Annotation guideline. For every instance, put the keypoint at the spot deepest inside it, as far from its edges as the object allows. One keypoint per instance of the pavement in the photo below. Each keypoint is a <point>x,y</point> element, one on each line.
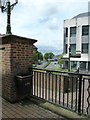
<point>26,109</point>
<point>51,66</point>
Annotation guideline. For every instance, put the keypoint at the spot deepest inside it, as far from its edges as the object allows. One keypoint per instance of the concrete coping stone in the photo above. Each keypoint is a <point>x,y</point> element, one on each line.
<point>57,109</point>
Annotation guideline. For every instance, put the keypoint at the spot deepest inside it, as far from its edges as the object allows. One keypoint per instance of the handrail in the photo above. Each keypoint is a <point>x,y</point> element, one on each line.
<point>70,73</point>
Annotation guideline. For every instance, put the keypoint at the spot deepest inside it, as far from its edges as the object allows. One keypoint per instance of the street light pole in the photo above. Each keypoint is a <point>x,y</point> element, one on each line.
<point>6,6</point>
<point>8,28</point>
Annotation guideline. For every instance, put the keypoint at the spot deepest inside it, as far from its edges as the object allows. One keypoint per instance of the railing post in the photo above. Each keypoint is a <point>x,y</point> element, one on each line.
<point>30,70</point>
<point>79,94</point>
<point>88,99</point>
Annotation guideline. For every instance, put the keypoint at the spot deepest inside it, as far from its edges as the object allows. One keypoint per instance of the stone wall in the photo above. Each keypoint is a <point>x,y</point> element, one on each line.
<point>16,60</point>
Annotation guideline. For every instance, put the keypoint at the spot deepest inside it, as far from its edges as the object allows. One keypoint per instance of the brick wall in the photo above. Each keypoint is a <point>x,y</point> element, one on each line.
<point>6,70</point>
<point>16,59</point>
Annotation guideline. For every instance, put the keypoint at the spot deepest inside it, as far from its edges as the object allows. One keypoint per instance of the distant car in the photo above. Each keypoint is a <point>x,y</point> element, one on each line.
<point>55,59</point>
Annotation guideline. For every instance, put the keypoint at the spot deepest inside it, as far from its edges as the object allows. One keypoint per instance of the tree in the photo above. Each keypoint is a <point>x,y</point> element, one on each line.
<point>37,56</point>
<point>46,56</point>
<point>40,56</point>
<point>49,55</point>
<point>60,61</point>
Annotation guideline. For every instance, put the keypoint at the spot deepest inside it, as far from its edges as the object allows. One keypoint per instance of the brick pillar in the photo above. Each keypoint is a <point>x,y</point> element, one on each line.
<point>16,59</point>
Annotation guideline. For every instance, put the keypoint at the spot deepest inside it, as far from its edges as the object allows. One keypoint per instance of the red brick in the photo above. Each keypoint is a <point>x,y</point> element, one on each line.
<point>16,57</point>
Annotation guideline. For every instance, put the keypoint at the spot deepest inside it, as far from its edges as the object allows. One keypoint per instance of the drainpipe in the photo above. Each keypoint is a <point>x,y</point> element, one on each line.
<point>69,65</point>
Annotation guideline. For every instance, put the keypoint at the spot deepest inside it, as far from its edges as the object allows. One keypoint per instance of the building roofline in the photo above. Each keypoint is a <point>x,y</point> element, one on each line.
<point>19,37</point>
<point>85,14</point>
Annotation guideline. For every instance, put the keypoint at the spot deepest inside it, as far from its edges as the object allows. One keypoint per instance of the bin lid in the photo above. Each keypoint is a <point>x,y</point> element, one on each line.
<point>23,76</point>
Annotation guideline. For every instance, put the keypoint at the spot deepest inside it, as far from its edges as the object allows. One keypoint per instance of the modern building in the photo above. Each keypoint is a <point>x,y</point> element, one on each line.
<point>77,42</point>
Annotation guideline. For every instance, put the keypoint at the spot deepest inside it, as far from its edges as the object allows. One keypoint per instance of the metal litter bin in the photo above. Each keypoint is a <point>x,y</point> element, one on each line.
<point>24,85</point>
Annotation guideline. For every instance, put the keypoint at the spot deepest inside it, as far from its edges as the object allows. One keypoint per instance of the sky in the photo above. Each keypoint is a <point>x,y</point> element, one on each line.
<point>43,20</point>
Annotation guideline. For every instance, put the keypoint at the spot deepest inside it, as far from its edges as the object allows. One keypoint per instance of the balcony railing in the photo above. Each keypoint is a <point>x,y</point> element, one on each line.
<point>68,90</point>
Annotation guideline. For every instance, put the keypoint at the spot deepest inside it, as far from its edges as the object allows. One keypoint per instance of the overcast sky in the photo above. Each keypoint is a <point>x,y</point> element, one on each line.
<point>43,20</point>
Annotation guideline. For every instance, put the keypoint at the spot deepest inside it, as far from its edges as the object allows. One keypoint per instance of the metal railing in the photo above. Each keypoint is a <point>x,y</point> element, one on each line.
<point>69,90</point>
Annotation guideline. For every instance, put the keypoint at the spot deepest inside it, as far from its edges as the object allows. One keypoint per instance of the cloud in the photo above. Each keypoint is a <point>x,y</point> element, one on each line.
<point>45,49</point>
<point>53,23</point>
<point>42,19</point>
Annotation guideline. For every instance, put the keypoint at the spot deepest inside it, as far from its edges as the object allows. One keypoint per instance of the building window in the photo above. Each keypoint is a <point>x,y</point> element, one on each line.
<point>72,31</point>
<point>83,65</point>
<point>65,65</point>
<point>85,30</point>
<point>88,66</point>
<point>73,64</point>
<point>65,48</point>
<point>73,49</point>
<point>85,48</point>
<point>65,32</point>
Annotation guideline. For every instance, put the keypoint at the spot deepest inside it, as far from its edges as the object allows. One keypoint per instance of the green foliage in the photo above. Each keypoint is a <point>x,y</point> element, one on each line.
<point>40,56</point>
<point>60,61</point>
<point>37,56</point>
<point>49,55</point>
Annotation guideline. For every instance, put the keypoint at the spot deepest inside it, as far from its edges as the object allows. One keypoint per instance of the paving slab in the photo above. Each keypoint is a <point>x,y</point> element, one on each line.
<point>26,109</point>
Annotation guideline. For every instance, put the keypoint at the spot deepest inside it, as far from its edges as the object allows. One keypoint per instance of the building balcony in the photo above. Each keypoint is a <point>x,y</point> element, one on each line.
<point>25,109</point>
<point>55,94</point>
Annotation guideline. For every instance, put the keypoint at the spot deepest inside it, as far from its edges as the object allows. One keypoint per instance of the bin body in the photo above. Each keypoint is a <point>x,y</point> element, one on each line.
<point>24,85</point>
